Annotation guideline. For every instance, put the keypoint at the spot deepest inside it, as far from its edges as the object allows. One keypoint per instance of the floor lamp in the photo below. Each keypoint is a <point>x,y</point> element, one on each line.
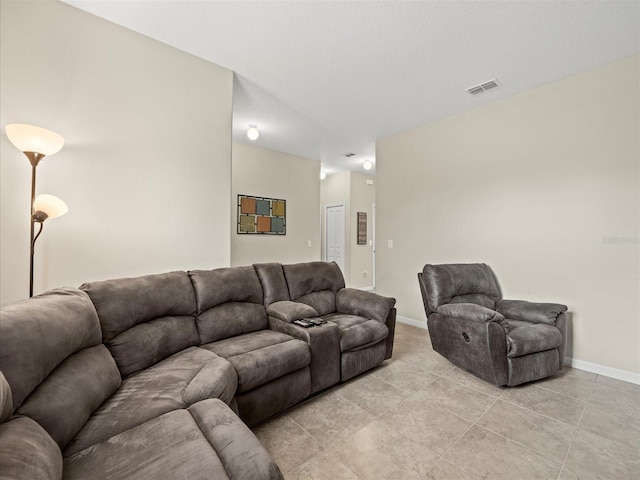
<point>36,143</point>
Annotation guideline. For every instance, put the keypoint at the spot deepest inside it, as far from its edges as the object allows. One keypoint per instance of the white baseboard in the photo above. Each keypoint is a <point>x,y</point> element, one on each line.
<point>411,321</point>
<point>611,372</point>
<point>367,289</point>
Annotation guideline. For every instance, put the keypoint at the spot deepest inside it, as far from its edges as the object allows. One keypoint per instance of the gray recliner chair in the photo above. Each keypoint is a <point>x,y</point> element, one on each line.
<point>505,342</point>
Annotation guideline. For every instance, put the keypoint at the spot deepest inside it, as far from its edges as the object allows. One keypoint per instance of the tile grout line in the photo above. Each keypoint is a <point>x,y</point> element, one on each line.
<point>573,438</point>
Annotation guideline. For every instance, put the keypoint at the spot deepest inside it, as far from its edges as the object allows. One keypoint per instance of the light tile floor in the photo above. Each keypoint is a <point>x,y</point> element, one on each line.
<point>418,417</point>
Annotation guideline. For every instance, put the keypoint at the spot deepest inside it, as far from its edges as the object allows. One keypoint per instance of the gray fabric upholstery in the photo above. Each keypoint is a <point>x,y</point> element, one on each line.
<point>274,397</point>
<point>473,312</point>
<point>201,443</point>
<point>145,344</point>
<point>261,357</point>
<point>145,319</point>
<point>305,278</point>
<point>532,338</point>
<point>475,282</point>
<point>479,348</point>
<point>532,367</point>
<point>41,332</point>
<point>364,304</point>
<point>324,302</point>
<point>390,322</point>
<point>229,302</point>
<point>288,311</point>
<point>274,285</point>
<point>177,382</point>
<point>223,285</point>
<point>231,319</point>
<point>64,401</point>
<point>6,400</point>
<point>241,453</point>
<point>28,452</point>
<point>324,346</point>
<point>356,362</point>
<point>505,342</point>
<point>125,302</point>
<point>357,332</point>
<point>530,311</point>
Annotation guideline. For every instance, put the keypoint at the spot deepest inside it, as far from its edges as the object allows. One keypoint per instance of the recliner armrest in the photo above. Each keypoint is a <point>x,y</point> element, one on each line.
<point>364,304</point>
<point>472,312</point>
<point>288,311</point>
<point>530,311</point>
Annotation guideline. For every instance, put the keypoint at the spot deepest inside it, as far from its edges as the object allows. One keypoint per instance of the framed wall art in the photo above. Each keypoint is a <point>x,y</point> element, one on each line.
<point>263,216</point>
<point>362,228</point>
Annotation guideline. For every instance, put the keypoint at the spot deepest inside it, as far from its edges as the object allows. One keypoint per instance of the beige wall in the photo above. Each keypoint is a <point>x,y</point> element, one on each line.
<point>267,173</point>
<point>350,189</point>
<point>362,200</point>
<point>146,165</point>
<point>544,187</point>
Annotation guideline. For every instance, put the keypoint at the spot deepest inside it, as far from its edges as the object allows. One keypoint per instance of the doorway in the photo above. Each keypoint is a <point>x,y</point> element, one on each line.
<point>334,231</point>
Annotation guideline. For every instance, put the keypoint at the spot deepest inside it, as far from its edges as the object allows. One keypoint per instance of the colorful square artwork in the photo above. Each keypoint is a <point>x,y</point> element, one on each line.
<point>260,215</point>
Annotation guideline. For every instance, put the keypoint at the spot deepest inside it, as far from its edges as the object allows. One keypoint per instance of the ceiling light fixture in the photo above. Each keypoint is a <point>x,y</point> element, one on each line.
<point>323,174</point>
<point>253,132</point>
<point>367,165</point>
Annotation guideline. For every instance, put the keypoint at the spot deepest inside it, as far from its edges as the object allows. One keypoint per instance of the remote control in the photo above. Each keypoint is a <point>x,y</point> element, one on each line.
<point>303,323</point>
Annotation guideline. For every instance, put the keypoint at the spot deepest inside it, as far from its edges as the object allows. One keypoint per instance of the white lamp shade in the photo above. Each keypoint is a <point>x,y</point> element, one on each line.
<point>253,132</point>
<point>52,206</point>
<point>28,138</point>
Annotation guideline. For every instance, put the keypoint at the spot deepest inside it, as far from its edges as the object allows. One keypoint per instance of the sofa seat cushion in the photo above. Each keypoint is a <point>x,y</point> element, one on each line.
<point>260,357</point>
<point>528,338</point>
<point>357,332</point>
<point>205,441</point>
<point>174,383</point>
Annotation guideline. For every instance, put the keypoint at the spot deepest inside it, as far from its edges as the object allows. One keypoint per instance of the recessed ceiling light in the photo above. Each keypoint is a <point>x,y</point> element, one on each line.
<point>323,174</point>
<point>253,132</point>
<point>367,164</point>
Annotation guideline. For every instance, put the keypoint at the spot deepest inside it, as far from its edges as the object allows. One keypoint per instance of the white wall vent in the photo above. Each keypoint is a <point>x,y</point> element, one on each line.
<point>484,87</point>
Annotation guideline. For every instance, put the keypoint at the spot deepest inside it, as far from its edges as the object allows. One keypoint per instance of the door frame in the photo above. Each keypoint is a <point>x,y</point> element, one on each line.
<point>344,229</point>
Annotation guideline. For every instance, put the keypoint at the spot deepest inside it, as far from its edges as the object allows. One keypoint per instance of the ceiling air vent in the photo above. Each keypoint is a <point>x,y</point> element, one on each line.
<point>483,87</point>
<point>349,155</point>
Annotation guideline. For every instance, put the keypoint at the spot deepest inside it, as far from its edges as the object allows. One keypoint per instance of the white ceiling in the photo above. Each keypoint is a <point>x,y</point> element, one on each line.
<point>323,78</point>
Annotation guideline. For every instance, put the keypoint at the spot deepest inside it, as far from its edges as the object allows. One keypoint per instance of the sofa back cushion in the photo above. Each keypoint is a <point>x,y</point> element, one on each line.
<point>229,302</point>
<point>52,357</point>
<point>314,283</point>
<point>145,319</point>
<point>460,283</point>
<point>37,334</point>
<point>274,285</point>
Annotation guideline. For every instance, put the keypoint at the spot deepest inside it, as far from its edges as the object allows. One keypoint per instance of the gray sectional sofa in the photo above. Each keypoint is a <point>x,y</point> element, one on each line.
<point>160,377</point>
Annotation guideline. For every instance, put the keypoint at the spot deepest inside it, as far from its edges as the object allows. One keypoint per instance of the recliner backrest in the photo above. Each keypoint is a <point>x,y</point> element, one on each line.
<point>229,302</point>
<point>314,283</point>
<point>52,357</point>
<point>460,283</point>
<point>145,319</point>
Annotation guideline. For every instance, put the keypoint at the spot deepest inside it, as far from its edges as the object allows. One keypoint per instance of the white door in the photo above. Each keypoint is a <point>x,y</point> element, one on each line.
<point>334,219</point>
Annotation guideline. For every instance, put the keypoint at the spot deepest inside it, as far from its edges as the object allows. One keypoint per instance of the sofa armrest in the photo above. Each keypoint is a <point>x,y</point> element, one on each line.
<point>530,311</point>
<point>289,311</point>
<point>365,304</point>
<point>473,313</point>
